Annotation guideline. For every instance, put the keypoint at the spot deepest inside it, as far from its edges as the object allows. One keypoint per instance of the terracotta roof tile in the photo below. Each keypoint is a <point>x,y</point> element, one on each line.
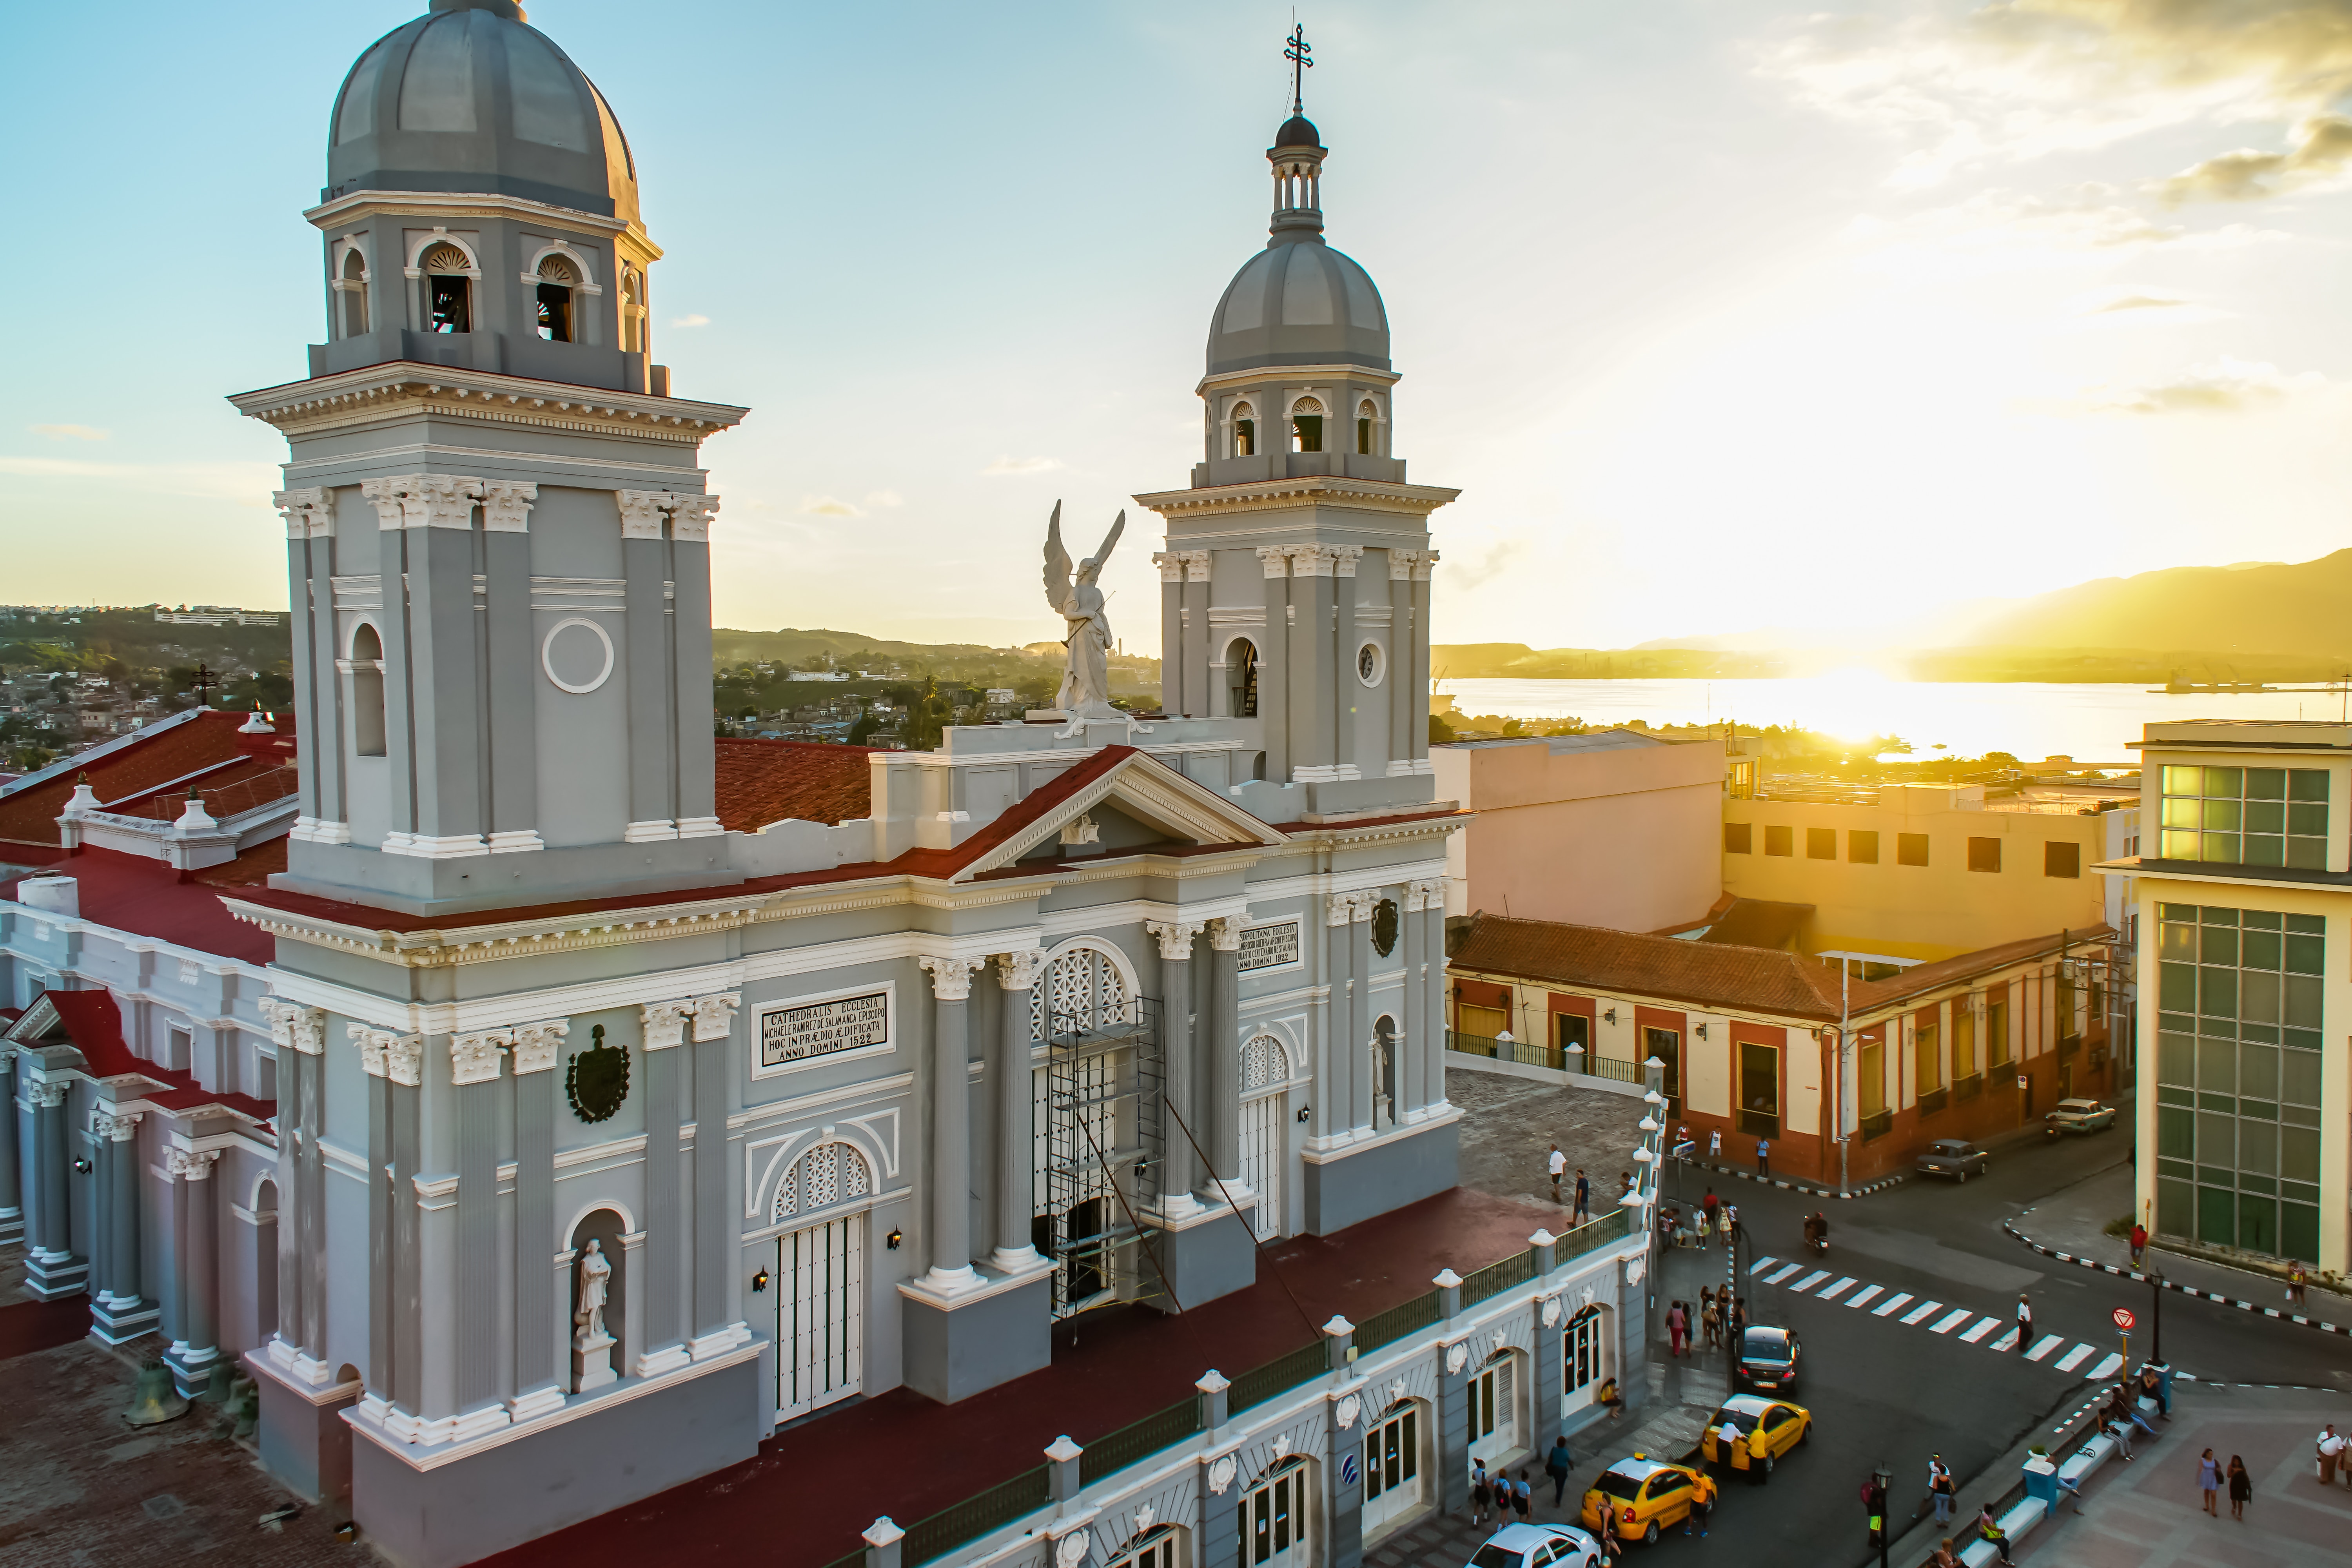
<point>134,771</point>
<point>147,898</point>
<point>1710,975</point>
<point>760,782</point>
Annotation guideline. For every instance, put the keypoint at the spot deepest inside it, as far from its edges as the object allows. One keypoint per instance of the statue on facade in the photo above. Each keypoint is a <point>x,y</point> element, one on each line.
<point>1086,667</point>
<point>594,1271</point>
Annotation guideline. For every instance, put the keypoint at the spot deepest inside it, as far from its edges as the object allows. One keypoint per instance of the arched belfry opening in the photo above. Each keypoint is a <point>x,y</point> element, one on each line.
<point>557,284</point>
<point>448,290</point>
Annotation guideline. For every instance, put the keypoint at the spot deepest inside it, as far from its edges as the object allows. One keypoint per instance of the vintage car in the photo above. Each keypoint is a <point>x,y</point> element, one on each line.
<point>1537,1546</point>
<point>2078,1116</point>
<point>1954,1157</point>
<point>1645,1495</point>
<point>1767,1360</point>
<point>1785,1425</point>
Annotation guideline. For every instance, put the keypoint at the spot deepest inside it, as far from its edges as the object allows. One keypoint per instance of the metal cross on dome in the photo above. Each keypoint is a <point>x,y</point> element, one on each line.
<point>1299,53</point>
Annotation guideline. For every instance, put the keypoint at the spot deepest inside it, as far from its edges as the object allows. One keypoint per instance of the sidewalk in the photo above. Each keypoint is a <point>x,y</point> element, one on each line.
<point>2070,1225</point>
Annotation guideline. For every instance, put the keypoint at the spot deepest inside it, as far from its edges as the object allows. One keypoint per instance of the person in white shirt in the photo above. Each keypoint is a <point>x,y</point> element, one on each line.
<point>2331,1455</point>
<point>1558,1164</point>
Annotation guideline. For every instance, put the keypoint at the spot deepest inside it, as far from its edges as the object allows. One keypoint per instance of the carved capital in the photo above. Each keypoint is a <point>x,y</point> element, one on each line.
<point>1275,559</point>
<point>506,508</point>
<point>447,501</point>
<point>1366,902</point>
<point>950,977</point>
<point>1019,971</point>
<point>404,1059</point>
<point>117,1128</point>
<point>307,513</point>
<point>689,518</point>
<point>1170,563</point>
<point>191,1164</point>
<point>1314,560</point>
<point>294,1028</point>
<point>370,1043</point>
<point>473,1058</point>
<point>641,512</point>
<point>1344,558</point>
<point>1225,934</point>
<point>48,1093</point>
<point>535,1045</point>
<point>1400,564</point>
<point>1196,565</point>
<point>388,498</point>
<point>1175,938</point>
<point>1422,568</point>
<point>665,1024</point>
<point>715,1015</point>
<point>1339,910</point>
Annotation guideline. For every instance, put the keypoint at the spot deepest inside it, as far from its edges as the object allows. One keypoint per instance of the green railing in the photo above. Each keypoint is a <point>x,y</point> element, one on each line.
<point>1584,1238</point>
<point>1497,1278</point>
<point>1139,1440</point>
<point>1536,1054</point>
<point>974,1517</point>
<point>1280,1375</point>
<point>1387,1328</point>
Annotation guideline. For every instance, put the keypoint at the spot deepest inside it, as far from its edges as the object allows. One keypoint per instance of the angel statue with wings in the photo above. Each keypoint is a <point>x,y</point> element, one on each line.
<point>1085,668</point>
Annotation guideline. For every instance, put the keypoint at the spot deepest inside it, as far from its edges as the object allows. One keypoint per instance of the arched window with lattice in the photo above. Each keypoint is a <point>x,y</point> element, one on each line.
<point>829,1174</point>
<point>1082,989</point>
<point>1264,1064</point>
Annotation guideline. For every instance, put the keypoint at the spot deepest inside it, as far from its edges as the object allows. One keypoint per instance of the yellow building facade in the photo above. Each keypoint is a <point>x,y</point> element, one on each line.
<point>2243,895</point>
<point>1918,873</point>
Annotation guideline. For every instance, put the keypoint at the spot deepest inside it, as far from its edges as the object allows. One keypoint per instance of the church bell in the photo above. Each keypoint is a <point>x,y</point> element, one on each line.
<point>154,1400</point>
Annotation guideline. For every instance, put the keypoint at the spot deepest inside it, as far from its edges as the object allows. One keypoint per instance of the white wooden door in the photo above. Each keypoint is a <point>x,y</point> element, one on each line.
<point>1263,1159</point>
<point>1275,1523</point>
<point>1494,1409</point>
<point>1580,1374</point>
<point>820,1290</point>
<point>1392,1466</point>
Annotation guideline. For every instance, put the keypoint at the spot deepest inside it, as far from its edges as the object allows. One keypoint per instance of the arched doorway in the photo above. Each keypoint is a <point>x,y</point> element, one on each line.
<point>1266,1069</point>
<point>1496,1431</point>
<point>265,1261</point>
<point>1277,1520</point>
<point>1084,1010</point>
<point>1161,1546</point>
<point>1392,1468</point>
<point>820,1279</point>
<point>1583,1359</point>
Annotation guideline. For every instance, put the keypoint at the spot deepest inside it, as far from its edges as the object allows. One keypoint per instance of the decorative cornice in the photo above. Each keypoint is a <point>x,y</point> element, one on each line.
<point>403,388</point>
<point>1270,495</point>
<point>446,205</point>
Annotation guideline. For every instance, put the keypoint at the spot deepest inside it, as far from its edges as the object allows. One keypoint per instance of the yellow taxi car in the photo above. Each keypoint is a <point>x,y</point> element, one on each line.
<point>1643,1496</point>
<point>1730,1433</point>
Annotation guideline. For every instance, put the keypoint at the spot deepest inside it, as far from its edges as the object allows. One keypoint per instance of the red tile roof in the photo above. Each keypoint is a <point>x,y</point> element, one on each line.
<point>134,771</point>
<point>94,1025</point>
<point>1707,974</point>
<point>147,898</point>
<point>760,782</point>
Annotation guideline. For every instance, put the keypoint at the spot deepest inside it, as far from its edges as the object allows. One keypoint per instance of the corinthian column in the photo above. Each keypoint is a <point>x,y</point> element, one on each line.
<point>950,1122</point>
<point>1224,1116</point>
<point>1009,1076</point>
<point>1175,939</point>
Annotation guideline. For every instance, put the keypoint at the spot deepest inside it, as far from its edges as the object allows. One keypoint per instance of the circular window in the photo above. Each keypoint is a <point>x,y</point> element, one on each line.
<point>1372,662</point>
<point>577,654</point>
<point>1384,927</point>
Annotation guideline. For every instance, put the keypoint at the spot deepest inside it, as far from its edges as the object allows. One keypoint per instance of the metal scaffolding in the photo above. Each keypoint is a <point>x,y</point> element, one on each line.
<point>1104,1152</point>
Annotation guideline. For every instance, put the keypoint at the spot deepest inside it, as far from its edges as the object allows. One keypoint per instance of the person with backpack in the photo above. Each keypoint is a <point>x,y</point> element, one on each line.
<point>1940,1489</point>
<point>1523,1497</point>
<point>1482,1491</point>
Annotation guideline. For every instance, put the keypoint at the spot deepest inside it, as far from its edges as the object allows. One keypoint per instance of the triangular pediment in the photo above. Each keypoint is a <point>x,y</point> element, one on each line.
<point>1141,789</point>
<point>40,1025</point>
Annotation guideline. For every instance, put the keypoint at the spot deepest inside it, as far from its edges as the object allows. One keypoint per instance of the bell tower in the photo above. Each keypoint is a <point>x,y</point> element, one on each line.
<point>1294,586</point>
<point>497,530</point>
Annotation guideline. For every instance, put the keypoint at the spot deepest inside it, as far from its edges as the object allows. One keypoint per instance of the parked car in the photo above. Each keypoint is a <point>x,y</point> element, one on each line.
<point>2078,1116</point>
<point>1955,1157</point>
<point>1537,1546</point>
<point>1785,1425</point>
<point>1647,1494</point>
<point>1768,1359</point>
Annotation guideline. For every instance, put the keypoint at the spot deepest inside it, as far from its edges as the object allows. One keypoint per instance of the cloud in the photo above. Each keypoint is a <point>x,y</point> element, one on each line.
<point>2319,158</point>
<point>828,506</point>
<point>2137,302</point>
<point>1487,565</point>
<point>2007,231</point>
<point>691,322</point>
<point>2020,78</point>
<point>2126,308</point>
<point>1004,466</point>
<point>70,432</point>
<point>2226,386</point>
<point>884,498</point>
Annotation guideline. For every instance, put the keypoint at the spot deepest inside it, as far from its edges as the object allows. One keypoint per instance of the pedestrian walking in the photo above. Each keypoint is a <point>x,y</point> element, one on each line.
<point>2209,1480</point>
<point>2331,1454</point>
<point>1715,1144</point>
<point>1557,1464</point>
<point>1990,1528</point>
<point>1764,1158</point>
<point>2138,1241</point>
<point>1710,1318</point>
<point>1677,1325</point>
<point>2297,1280</point>
<point>1523,1497</point>
<point>1724,1224</point>
<point>1583,1213</point>
<point>1611,1543</point>
<point>2241,1489</point>
<point>1482,1491</point>
<point>2024,1321</point>
<point>1940,1490</point>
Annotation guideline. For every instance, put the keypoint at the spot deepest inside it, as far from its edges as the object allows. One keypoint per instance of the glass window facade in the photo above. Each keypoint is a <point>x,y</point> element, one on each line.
<point>2247,816</point>
<point>2238,1056</point>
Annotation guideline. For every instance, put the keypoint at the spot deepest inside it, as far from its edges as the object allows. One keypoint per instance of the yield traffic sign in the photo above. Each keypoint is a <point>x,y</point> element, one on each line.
<point>2124,1318</point>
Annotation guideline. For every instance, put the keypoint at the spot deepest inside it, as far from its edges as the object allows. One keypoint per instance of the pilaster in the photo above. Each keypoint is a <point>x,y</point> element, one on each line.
<point>1175,942</point>
<point>195,1256</point>
<point>951,1239</point>
<point>474,1061</point>
<point>52,1268</point>
<point>653,812</point>
<point>717,1325</point>
<point>119,1310</point>
<point>1312,692</point>
<point>1359,1006</point>
<point>1172,630</point>
<point>1224,1109</point>
<point>539,1359</point>
<point>11,1210</point>
<point>1347,691</point>
<point>1274,663</point>
<point>662,1259</point>
<point>1197,638</point>
<point>1405,660</point>
<point>510,664</point>
<point>1009,1075</point>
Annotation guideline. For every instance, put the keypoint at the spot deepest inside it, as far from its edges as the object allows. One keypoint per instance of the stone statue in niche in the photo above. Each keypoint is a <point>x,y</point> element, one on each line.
<point>1078,599</point>
<point>592,1347</point>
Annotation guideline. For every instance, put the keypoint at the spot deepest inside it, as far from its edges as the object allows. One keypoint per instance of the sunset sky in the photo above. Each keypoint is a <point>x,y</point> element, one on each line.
<point>1722,314</point>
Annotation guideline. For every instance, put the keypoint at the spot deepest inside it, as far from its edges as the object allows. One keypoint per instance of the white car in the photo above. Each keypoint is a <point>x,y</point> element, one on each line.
<point>1537,1546</point>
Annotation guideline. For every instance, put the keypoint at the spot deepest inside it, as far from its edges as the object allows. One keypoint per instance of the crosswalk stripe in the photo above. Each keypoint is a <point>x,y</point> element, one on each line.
<point>1762,1264</point>
<point>2075,1358</point>
<point>1832,1293</point>
<point>2044,1346</point>
<point>1892,1304</point>
<point>1984,1326</point>
<point>1810,1280</point>
<point>2006,1341</point>
<point>1921,1310</point>
<point>2106,1368</point>
<point>1862,1296</point>
<point>1782,1273</point>
<point>1954,1321</point>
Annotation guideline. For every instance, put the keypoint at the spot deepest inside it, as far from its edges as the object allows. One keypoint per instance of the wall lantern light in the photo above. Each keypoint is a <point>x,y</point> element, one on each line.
<point>1610,1016</point>
<point>893,1239</point>
<point>1702,1031</point>
<point>83,1167</point>
<point>759,1281</point>
<point>1303,1112</point>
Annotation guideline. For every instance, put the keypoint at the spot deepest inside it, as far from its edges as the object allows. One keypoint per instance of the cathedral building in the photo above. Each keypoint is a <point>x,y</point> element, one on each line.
<point>552,1102</point>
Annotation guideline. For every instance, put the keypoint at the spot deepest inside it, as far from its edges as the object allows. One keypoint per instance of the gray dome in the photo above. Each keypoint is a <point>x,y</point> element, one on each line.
<point>1299,301</point>
<point>1297,131</point>
<point>469,98</point>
